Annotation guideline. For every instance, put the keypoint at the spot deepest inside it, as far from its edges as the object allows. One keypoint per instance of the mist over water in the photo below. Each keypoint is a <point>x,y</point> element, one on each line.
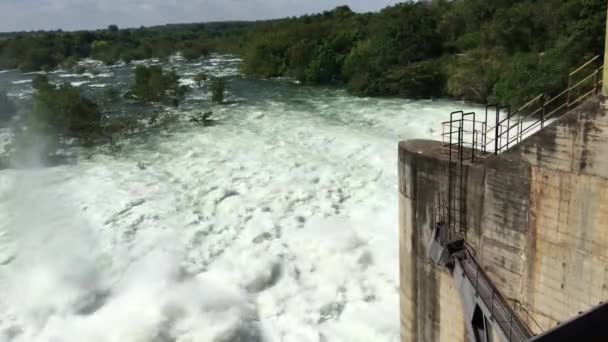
<point>277,224</point>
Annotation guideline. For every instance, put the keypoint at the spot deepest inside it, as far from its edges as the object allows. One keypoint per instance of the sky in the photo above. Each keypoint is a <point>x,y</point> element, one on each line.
<point>18,15</point>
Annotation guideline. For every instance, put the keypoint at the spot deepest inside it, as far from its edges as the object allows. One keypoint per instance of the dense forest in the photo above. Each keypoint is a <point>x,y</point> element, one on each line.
<point>478,50</point>
<point>36,51</point>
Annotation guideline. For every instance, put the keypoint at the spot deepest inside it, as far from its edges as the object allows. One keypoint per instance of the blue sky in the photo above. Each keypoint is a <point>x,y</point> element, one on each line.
<point>91,14</point>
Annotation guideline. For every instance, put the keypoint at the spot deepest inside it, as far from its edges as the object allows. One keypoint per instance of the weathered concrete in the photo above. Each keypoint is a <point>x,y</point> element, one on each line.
<point>605,84</point>
<point>536,216</point>
<point>430,303</point>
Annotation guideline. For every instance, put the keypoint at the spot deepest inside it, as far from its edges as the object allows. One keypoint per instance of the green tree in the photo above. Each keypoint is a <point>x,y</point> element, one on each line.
<point>62,111</point>
<point>527,75</point>
<point>35,51</point>
<point>150,83</point>
<point>153,85</point>
<point>417,80</point>
<point>361,69</point>
<point>194,51</point>
<point>472,76</point>
<point>38,58</point>
<point>485,49</point>
<point>477,50</point>
<point>70,62</point>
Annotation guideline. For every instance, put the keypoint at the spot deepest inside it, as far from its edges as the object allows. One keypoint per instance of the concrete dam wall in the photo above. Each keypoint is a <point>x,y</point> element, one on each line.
<point>537,219</point>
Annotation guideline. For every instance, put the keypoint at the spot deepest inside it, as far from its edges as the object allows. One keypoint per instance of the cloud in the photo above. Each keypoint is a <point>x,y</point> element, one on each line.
<point>91,14</point>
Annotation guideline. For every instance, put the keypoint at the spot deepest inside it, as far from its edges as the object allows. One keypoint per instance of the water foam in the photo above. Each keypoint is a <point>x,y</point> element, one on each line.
<point>279,224</point>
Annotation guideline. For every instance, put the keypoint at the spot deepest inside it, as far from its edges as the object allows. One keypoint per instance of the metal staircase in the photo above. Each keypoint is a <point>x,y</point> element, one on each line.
<point>457,215</point>
<point>468,137</point>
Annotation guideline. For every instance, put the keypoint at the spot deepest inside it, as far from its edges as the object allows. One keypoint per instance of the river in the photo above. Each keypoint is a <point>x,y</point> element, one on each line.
<point>279,223</point>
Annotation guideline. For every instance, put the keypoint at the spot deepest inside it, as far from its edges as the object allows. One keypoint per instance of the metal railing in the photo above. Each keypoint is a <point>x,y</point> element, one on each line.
<point>511,324</point>
<point>457,217</point>
<point>509,127</point>
<point>525,314</point>
<point>457,250</point>
<point>468,135</point>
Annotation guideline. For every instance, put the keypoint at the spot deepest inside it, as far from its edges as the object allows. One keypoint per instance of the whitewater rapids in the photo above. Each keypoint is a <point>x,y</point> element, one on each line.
<point>277,224</point>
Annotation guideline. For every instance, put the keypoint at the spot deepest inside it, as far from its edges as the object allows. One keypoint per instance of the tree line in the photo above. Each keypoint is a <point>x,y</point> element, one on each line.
<point>478,50</point>
<point>36,51</point>
<point>501,51</point>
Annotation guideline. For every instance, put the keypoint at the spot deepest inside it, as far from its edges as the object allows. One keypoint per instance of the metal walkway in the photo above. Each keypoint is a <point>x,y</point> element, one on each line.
<point>469,136</point>
<point>477,290</point>
<point>500,128</point>
<point>476,287</point>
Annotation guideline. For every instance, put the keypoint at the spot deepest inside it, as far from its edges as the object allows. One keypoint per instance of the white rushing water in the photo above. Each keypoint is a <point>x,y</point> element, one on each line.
<point>278,224</point>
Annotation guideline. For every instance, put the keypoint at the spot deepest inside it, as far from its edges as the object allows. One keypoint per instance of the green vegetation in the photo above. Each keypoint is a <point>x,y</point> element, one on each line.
<point>48,50</point>
<point>7,107</point>
<point>61,111</point>
<point>153,85</point>
<point>477,50</point>
<point>218,89</point>
<point>195,51</point>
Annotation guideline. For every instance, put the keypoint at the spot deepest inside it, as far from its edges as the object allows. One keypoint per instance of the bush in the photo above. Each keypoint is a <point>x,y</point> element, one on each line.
<point>418,80</point>
<point>526,75</point>
<point>38,58</point>
<point>218,90</point>
<point>153,85</point>
<point>472,76</point>
<point>62,111</point>
<point>362,68</point>
<point>105,51</point>
<point>264,56</point>
<point>70,62</point>
<point>195,51</point>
